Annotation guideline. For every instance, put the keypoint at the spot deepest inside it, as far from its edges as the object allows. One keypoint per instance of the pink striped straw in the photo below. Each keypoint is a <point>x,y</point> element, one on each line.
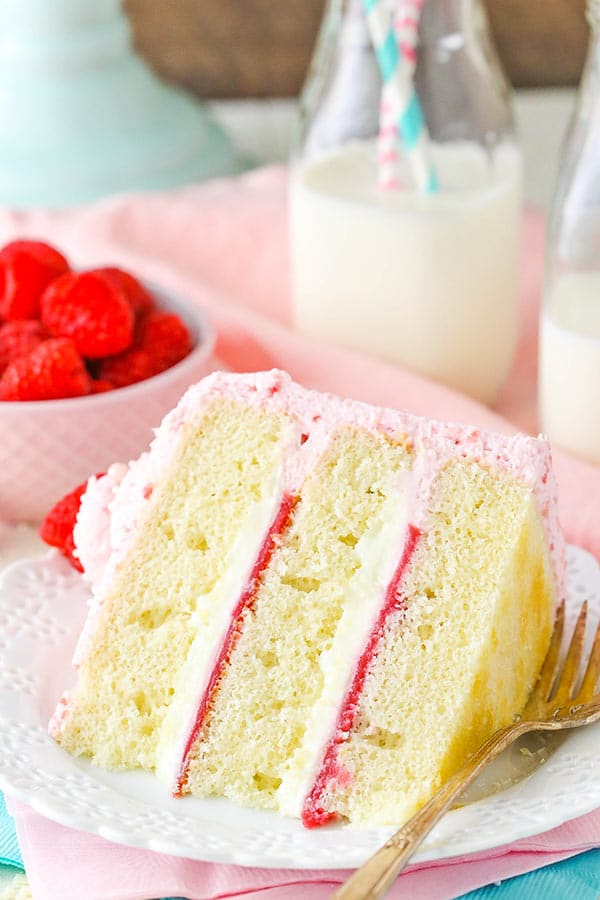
<point>406,26</point>
<point>406,29</point>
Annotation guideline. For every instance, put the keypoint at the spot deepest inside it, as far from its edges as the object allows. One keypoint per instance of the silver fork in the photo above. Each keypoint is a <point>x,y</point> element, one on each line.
<point>557,701</point>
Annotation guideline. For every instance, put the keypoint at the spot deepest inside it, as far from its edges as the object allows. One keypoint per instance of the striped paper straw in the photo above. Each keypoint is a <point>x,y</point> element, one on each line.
<point>406,26</point>
<point>401,112</point>
<point>387,142</point>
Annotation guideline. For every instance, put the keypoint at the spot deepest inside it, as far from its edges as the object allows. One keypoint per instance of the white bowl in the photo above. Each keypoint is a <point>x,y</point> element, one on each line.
<point>47,447</point>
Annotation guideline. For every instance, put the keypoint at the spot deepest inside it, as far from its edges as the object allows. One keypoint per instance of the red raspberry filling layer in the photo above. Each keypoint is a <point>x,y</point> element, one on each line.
<point>332,774</point>
<point>247,601</point>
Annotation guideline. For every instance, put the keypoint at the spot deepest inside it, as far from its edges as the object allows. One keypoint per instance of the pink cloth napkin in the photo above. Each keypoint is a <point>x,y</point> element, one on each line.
<point>69,865</point>
<point>224,245</point>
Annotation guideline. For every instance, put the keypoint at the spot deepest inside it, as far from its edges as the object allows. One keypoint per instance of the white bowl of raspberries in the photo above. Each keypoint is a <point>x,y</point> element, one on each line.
<point>90,362</point>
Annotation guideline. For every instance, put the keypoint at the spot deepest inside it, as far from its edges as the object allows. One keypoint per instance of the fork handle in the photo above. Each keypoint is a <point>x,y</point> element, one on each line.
<point>379,872</point>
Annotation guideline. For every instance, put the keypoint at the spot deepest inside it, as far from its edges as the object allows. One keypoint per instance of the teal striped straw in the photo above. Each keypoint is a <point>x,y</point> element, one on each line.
<point>399,86</point>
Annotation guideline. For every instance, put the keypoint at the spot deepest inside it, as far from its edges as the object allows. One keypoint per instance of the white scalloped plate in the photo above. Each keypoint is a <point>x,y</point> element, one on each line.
<point>42,608</point>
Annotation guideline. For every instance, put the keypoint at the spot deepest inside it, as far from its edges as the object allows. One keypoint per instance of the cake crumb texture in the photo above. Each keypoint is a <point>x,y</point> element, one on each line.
<point>147,622</point>
<point>275,674</point>
<point>312,605</point>
<point>466,655</point>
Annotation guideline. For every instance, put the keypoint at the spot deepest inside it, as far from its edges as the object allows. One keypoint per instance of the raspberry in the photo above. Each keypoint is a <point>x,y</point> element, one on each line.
<point>164,336</point>
<point>57,527</point>
<point>141,300</point>
<point>51,371</point>
<point>18,339</point>
<point>98,386</point>
<point>161,340</point>
<point>26,269</point>
<point>92,310</point>
<point>128,368</point>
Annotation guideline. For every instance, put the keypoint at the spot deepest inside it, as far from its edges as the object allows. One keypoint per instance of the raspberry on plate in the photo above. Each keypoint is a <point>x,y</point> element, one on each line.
<point>141,300</point>
<point>19,338</point>
<point>26,269</point>
<point>57,528</point>
<point>92,309</point>
<point>52,371</point>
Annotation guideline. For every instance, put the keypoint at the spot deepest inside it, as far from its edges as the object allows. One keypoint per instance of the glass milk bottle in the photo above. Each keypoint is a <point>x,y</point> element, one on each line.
<point>424,279</point>
<point>569,375</point>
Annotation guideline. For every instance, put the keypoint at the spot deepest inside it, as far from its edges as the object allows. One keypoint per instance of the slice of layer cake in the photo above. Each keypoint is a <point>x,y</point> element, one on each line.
<point>308,604</point>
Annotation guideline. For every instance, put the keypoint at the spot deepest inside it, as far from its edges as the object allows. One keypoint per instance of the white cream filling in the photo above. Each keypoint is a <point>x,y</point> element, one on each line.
<point>379,551</point>
<point>210,621</point>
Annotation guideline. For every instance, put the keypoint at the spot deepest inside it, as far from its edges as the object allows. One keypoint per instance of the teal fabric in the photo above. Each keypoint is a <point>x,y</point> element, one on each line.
<point>577,878</point>
<point>10,855</point>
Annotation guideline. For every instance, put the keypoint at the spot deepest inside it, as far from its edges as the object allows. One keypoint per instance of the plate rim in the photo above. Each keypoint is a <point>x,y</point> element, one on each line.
<point>437,847</point>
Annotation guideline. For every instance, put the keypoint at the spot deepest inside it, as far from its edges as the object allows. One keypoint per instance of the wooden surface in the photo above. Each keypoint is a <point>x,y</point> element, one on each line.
<point>261,48</point>
<point>541,42</point>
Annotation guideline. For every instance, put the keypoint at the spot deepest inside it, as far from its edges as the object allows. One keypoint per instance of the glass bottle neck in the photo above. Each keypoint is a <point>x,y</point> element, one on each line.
<point>449,13</point>
<point>593,17</point>
<point>591,72</point>
<point>589,92</point>
<point>458,79</point>
<point>444,17</point>
<point>451,22</point>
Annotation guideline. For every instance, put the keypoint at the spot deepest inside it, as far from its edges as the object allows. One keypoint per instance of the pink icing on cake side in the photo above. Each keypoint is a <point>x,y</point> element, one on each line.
<point>92,528</point>
<point>114,506</point>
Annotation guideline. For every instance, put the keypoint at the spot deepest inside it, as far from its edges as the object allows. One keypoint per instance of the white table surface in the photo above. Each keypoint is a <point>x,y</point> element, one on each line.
<point>262,129</point>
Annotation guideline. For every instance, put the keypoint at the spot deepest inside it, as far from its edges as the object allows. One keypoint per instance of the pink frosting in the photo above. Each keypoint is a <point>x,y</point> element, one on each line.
<point>92,528</point>
<point>114,506</point>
